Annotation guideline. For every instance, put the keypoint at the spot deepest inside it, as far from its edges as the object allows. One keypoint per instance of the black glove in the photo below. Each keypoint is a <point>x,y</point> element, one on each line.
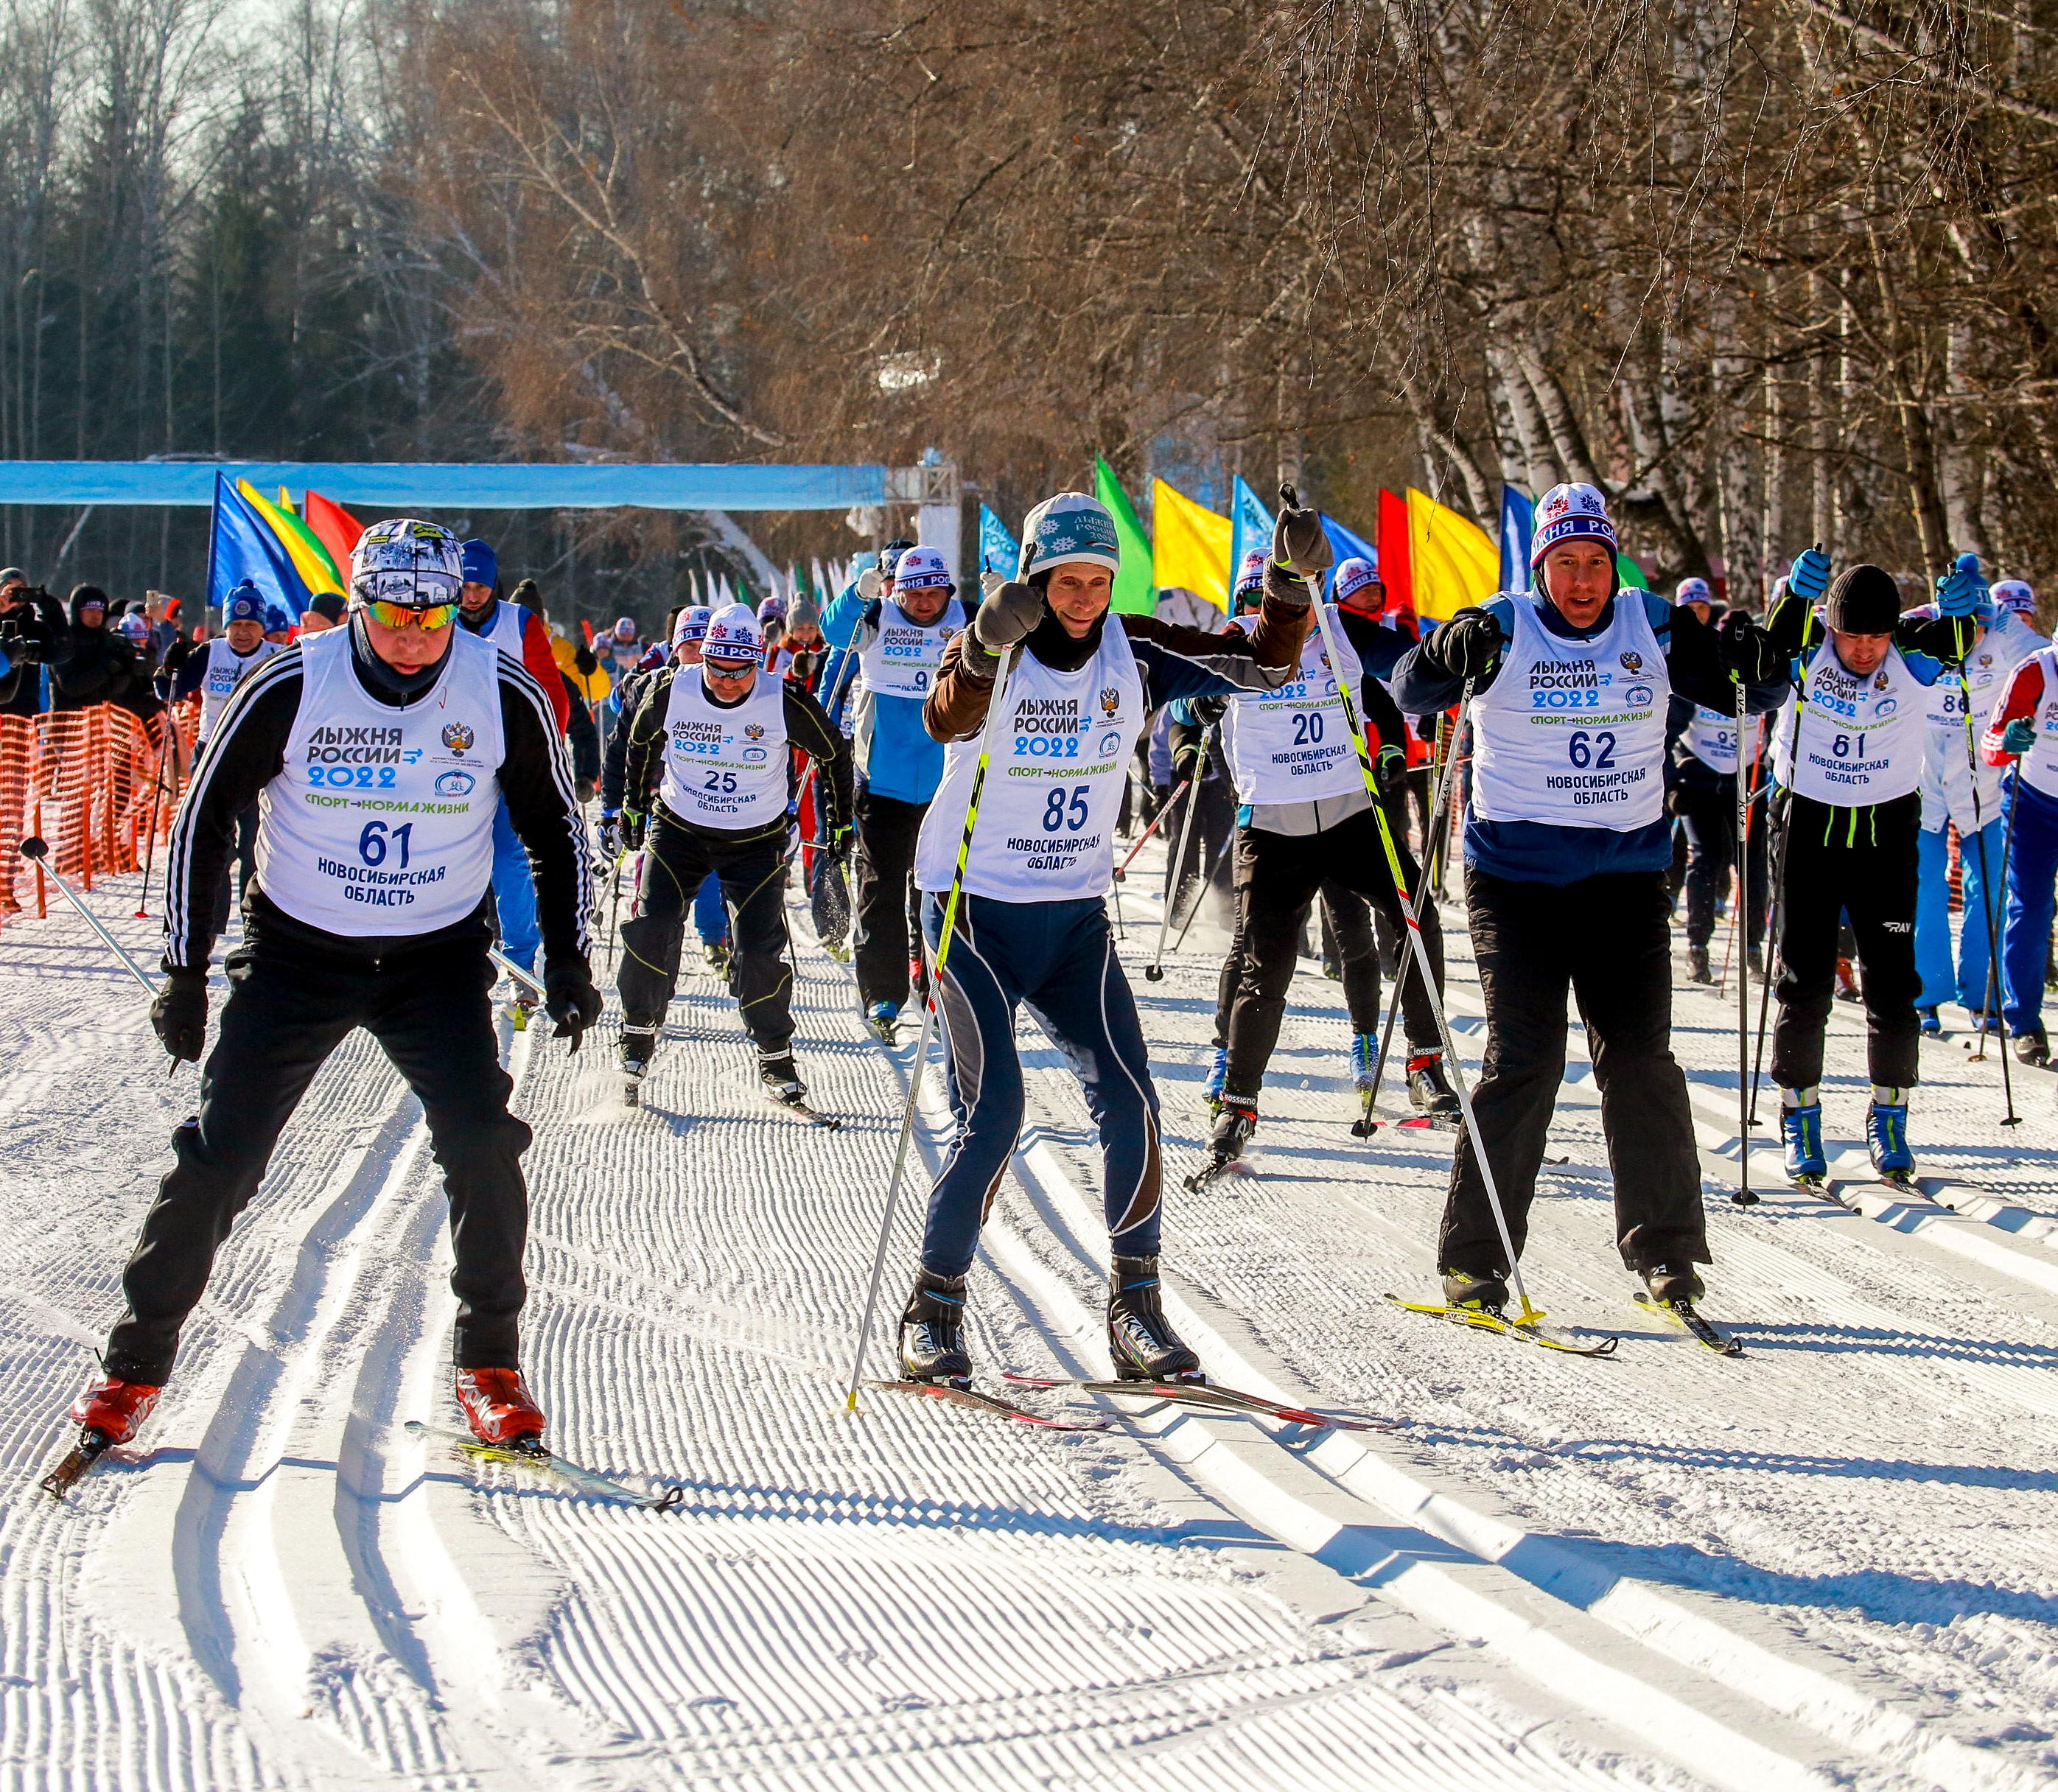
<point>632,829</point>
<point>1389,769</point>
<point>1007,617</point>
<point>570,999</point>
<point>180,1013</point>
<point>1467,646</point>
<point>1746,650</point>
<point>24,640</point>
<point>1299,540</point>
<point>611,838</point>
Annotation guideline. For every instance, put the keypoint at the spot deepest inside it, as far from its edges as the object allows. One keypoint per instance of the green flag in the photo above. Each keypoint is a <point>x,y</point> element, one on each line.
<point>1134,590</point>
<point>1628,574</point>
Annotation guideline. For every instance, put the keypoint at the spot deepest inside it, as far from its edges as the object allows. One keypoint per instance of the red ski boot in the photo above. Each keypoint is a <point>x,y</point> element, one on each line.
<point>115,1408</point>
<point>499,1406</point>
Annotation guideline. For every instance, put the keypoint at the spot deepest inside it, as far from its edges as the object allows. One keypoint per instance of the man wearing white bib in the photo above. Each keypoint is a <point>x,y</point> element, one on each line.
<point>719,735</point>
<point>216,669</point>
<point>379,754</point>
<point>1567,846</point>
<point>2024,729</point>
<point>1031,925</point>
<point>1848,757</point>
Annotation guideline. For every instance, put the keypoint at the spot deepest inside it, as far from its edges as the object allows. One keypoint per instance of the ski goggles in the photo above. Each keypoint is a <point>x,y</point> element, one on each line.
<point>410,616</point>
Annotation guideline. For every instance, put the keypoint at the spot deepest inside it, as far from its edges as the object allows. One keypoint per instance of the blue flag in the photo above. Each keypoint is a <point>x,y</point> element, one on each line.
<point>1250,526</point>
<point>242,544</point>
<point>1348,546</point>
<point>1518,527</point>
<point>998,552</point>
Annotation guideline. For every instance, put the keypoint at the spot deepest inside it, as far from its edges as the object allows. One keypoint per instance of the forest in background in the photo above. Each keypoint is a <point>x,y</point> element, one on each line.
<point>1770,271</point>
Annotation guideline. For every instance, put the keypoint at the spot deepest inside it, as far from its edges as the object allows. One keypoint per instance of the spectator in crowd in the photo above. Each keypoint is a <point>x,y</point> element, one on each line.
<point>138,694</point>
<point>278,624</point>
<point>34,634</point>
<point>100,663</point>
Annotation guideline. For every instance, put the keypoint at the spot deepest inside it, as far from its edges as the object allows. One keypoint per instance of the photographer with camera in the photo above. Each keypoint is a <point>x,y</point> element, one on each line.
<point>32,635</point>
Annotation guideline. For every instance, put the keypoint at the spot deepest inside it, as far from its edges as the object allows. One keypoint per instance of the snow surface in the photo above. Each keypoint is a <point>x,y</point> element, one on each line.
<point>1831,1561</point>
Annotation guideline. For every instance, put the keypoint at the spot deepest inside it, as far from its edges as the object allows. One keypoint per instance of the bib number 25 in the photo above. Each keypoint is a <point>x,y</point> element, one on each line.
<point>1065,809</point>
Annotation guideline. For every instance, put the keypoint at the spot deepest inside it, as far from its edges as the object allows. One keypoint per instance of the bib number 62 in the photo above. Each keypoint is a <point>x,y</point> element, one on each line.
<point>1596,750</point>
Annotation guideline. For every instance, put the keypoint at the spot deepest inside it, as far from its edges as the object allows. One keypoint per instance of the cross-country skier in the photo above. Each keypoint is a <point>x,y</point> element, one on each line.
<point>1566,845</point>
<point>1031,925</point>
<point>1955,794</point>
<point>898,632</point>
<point>718,736</point>
<point>1848,756</point>
<point>2023,727</point>
<point>1303,819</point>
<point>379,753</point>
<point>520,634</point>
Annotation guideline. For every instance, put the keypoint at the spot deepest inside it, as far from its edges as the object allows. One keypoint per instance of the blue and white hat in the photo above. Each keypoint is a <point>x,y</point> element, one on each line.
<point>692,625</point>
<point>1571,513</point>
<point>1693,590</point>
<point>246,604</point>
<point>276,618</point>
<point>1068,527</point>
<point>1353,575</point>
<point>1249,575</point>
<point>134,629</point>
<point>2014,594</point>
<point>406,561</point>
<point>921,569</point>
<point>734,634</point>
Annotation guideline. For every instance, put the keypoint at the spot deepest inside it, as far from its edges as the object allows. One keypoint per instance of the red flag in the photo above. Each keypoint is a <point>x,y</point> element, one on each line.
<point>335,528</point>
<point>1396,565</point>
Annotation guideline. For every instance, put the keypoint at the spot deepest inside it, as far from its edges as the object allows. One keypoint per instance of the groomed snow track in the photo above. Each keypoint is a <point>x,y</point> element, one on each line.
<point>1828,1562</point>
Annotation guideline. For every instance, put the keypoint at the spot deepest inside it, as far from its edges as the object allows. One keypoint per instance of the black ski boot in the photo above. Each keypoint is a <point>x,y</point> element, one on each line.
<point>1483,1293</point>
<point>639,1046</point>
<point>1671,1283</point>
<point>932,1332</point>
<point>1697,965</point>
<point>781,1078</point>
<point>1431,1093</point>
<point>2032,1047</point>
<point>1139,1337</point>
<point>1235,1121</point>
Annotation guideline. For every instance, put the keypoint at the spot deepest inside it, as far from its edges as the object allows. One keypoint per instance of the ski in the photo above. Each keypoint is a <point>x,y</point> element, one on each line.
<point>1479,1320</point>
<point>77,1463</point>
<point>1208,1393</point>
<point>1213,1170</point>
<point>801,1110</point>
<point>986,1403</point>
<point>1370,1123</point>
<point>597,1486</point>
<point>1681,1313</point>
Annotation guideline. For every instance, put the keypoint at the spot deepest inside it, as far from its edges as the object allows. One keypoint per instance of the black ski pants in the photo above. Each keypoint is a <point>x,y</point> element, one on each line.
<point>426,1002</point>
<point>1606,941</point>
<point>886,830</point>
<point>1861,863</point>
<point>1277,877</point>
<point>1349,918</point>
<point>246,863</point>
<point>752,869</point>
<point>1708,818</point>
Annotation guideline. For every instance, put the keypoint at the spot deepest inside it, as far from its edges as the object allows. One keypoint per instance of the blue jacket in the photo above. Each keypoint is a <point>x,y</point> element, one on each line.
<point>1541,852</point>
<point>900,761</point>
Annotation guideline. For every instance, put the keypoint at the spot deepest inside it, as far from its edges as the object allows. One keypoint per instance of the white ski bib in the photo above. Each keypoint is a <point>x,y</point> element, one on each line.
<point>226,669</point>
<point>1046,813</point>
<point>505,630</point>
<point>1948,781</point>
<point>724,768</point>
<point>382,822</point>
<point>1711,737</point>
<point>1293,745</point>
<point>1861,738</point>
<point>2039,765</point>
<point>901,658</point>
<point>1572,733</point>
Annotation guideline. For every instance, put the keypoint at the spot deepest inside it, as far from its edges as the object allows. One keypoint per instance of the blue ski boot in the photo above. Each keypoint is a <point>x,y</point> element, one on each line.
<point>882,1018</point>
<point>1931,1023</point>
<point>1802,1128</point>
<point>1364,1054</point>
<point>1886,1132</point>
<point>1218,1076</point>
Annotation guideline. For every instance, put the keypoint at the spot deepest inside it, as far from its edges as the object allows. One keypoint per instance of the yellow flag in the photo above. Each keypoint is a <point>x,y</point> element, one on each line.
<point>1190,545</point>
<point>1454,560</point>
<point>311,559</point>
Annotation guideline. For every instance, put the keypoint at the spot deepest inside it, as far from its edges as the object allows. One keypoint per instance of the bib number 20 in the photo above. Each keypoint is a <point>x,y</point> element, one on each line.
<point>1065,809</point>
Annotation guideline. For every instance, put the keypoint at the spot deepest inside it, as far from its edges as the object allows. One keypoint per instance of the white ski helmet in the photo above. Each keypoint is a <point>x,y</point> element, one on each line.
<point>406,561</point>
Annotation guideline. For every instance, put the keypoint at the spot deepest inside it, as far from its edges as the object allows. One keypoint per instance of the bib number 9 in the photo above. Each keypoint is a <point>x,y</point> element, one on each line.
<point>1065,809</point>
<point>1596,750</point>
<point>376,840</point>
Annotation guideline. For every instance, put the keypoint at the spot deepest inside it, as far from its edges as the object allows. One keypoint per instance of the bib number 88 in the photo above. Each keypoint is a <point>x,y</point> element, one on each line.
<point>1065,809</point>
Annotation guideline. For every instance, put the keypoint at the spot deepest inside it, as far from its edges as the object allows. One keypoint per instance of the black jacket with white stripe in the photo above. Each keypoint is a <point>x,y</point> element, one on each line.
<point>248,750</point>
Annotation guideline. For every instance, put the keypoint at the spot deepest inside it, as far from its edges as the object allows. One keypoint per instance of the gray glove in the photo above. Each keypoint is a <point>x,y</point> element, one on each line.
<point>1298,539</point>
<point>991,580</point>
<point>1007,617</point>
<point>1284,585</point>
<point>870,584</point>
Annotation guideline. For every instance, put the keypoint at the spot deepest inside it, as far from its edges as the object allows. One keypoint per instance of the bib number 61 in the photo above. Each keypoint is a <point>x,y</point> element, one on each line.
<point>378,840</point>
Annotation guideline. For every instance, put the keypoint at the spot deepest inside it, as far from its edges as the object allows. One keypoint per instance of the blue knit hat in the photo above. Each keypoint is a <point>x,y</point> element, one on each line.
<point>482,566</point>
<point>1571,513</point>
<point>1070,526</point>
<point>246,604</point>
<point>276,618</point>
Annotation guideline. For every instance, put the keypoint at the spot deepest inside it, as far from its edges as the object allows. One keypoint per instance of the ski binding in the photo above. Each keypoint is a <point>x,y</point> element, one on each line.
<point>77,1462</point>
<point>1528,1331</point>
<point>528,1454</point>
<point>954,1395</point>
<point>799,1108</point>
<point>1683,1314</point>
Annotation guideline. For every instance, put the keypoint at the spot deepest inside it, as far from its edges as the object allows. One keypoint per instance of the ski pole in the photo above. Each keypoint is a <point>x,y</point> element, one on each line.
<point>1446,783</point>
<point>150,846</point>
<point>1154,970</point>
<point>1157,821</point>
<point>1774,915</point>
<point>514,970</point>
<point>996,706</point>
<point>1986,895</point>
<point>1529,1314</point>
<point>1743,1196</point>
<point>33,849</point>
<point>1207,879</point>
<point>1994,991</point>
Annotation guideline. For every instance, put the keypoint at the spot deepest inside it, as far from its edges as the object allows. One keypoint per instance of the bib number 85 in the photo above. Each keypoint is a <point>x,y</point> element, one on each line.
<point>1065,809</point>
<point>1596,750</point>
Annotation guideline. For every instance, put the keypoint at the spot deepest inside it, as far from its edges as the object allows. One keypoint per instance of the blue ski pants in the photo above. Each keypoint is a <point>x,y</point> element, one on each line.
<point>1942,982</point>
<point>2032,895</point>
<point>515,893</point>
<point>710,919</point>
<point>1057,959</point>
